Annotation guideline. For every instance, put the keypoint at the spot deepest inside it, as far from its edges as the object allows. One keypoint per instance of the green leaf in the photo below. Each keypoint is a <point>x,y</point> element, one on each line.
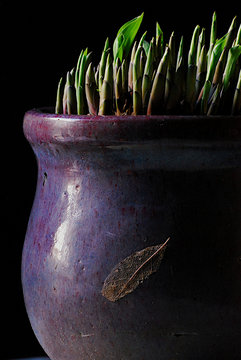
<point>238,38</point>
<point>201,70</point>
<point>233,56</point>
<point>215,101</point>
<point>137,81</point>
<point>130,70</point>
<point>205,96</point>
<point>158,30</point>
<point>169,85</point>
<point>147,77</point>
<point>146,46</point>
<point>118,90</point>
<point>213,29</point>
<point>159,42</point>
<point>218,74</point>
<point>82,64</point>
<point>124,77</point>
<point>201,42</point>
<point>213,35</point>
<point>92,95</point>
<point>236,107</point>
<point>102,64</point>
<point>59,97</point>
<point>180,54</point>
<point>192,70</point>
<point>157,91</point>
<point>77,69</point>
<point>231,33</point>
<point>125,38</point>
<point>71,95</point>
<point>106,94</point>
<point>142,39</point>
<point>216,52</point>
<point>192,55</point>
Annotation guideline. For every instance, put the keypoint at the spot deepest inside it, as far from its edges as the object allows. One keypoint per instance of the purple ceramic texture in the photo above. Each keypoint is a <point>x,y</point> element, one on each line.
<point>110,186</point>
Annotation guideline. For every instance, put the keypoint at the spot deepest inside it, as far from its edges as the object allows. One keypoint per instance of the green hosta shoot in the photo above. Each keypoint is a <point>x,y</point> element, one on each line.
<point>156,100</point>
<point>125,38</point>
<point>236,106</point>
<point>149,76</point>
<point>91,91</point>
<point>59,98</point>
<point>106,92</point>
<point>213,36</point>
<point>192,71</point>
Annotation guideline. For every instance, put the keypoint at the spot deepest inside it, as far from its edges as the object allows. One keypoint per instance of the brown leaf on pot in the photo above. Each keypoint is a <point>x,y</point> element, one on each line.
<point>132,271</point>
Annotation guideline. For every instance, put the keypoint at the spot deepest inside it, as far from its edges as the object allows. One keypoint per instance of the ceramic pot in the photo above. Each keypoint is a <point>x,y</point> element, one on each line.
<point>111,186</point>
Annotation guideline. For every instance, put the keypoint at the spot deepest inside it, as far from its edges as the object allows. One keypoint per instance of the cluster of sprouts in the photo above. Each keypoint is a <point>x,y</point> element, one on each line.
<point>157,77</point>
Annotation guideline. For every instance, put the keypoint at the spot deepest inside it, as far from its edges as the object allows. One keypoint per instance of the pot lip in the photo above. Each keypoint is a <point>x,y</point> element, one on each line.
<point>48,113</point>
<point>43,126</point>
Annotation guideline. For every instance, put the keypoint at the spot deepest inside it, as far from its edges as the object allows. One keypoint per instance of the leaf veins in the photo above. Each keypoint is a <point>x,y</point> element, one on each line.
<point>132,271</point>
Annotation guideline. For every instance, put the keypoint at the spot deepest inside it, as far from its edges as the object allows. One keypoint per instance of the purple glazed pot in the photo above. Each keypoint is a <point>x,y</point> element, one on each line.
<point>110,186</point>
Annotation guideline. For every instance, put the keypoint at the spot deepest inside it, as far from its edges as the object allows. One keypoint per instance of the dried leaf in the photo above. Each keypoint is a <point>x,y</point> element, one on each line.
<point>132,271</point>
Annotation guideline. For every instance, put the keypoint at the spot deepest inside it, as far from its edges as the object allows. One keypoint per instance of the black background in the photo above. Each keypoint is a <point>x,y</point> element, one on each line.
<point>40,41</point>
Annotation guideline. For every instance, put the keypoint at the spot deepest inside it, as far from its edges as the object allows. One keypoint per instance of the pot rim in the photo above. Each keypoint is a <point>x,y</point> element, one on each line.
<point>48,112</point>
<point>43,125</point>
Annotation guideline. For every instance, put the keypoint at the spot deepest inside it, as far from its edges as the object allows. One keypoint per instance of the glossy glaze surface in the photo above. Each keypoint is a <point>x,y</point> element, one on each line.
<point>108,187</point>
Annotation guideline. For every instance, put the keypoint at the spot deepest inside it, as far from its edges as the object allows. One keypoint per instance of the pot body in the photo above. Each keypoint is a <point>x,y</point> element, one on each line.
<point>108,187</point>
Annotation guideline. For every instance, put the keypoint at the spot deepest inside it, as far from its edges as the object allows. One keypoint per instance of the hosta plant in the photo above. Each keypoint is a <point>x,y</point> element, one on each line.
<point>157,76</point>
